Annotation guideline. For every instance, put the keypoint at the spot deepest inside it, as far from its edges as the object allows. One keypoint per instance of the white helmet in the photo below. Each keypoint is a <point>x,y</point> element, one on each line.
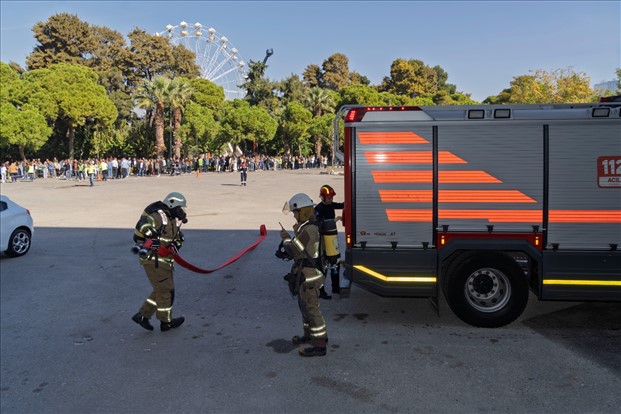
<point>297,202</point>
<point>175,199</point>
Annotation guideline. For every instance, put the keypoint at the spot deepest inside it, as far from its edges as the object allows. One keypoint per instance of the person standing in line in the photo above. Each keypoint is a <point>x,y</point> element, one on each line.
<point>92,171</point>
<point>160,227</point>
<point>3,172</point>
<point>325,211</point>
<point>306,276</point>
<point>243,170</point>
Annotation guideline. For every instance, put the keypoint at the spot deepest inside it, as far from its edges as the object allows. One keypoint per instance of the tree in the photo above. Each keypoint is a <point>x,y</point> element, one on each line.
<point>179,93</point>
<point>557,86</point>
<point>294,126</point>
<point>207,94</point>
<point>292,89</point>
<point>411,78</point>
<point>321,128</point>
<point>152,96</point>
<point>359,95</point>
<point>199,128</point>
<point>26,128</point>
<point>242,122</point>
<point>355,77</point>
<point>77,97</point>
<point>319,101</point>
<point>64,38</point>
<point>11,84</point>
<point>259,90</point>
<point>312,76</point>
<point>150,56</point>
<point>335,72</point>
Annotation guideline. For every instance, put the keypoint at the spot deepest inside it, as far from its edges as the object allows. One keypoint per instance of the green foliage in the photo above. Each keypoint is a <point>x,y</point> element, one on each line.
<point>240,121</point>
<point>64,38</point>
<point>199,128</point>
<point>359,95</point>
<point>294,126</point>
<point>26,128</point>
<point>11,84</point>
<point>411,78</point>
<point>321,128</point>
<point>335,72</point>
<point>557,86</point>
<point>207,94</point>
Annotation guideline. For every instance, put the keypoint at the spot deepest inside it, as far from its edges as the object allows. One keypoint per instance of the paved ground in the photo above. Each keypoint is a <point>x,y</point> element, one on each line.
<point>68,344</point>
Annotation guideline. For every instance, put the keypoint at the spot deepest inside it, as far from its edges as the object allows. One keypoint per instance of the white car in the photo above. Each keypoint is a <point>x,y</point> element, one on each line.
<point>15,228</point>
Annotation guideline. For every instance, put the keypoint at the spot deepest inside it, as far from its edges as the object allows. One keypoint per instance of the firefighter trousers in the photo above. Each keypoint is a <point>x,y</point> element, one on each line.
<point>161,299</point>
<point>314,323</point>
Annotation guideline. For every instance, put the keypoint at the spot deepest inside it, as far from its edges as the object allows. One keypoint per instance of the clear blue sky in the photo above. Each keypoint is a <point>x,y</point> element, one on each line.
<point>482,45</point>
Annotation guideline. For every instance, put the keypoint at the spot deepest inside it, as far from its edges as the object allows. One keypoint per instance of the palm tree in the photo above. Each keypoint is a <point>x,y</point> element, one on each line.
<point>319,101</point>
<point>153,96</point>
<point>179,93</point>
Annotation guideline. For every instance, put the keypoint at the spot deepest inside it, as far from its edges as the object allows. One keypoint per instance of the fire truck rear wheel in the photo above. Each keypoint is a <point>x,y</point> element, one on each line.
<point>485,289</point>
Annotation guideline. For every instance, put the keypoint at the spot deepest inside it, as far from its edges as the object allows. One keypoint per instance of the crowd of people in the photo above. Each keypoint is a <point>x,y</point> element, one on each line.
<point>119,168</point>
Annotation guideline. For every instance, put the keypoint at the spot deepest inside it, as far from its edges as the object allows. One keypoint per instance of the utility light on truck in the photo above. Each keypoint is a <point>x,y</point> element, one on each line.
<point>476,114</point>
<point>601,112</point>
<point>502,113</point>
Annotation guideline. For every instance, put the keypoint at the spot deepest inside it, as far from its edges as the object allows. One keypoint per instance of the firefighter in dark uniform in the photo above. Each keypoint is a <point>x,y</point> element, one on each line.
<point>307,273</point>
<point>157,234</point>
<point>323,211</point>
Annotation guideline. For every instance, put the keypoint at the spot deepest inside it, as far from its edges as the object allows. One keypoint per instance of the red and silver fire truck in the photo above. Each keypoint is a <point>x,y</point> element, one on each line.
<point>485,202</point>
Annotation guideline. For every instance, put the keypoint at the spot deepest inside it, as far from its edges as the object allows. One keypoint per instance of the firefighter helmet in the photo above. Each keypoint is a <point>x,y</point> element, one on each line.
<point>327,191</point>
<point>175,199</point>
<point>297,202</point>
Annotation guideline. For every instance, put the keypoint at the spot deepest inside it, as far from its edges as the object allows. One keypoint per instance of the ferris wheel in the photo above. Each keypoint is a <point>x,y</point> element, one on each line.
<point>219,61</point>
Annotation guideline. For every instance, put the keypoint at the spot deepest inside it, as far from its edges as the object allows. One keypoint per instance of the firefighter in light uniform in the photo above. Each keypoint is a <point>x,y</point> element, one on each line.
<point>307,271</point>
<point>160,224</point>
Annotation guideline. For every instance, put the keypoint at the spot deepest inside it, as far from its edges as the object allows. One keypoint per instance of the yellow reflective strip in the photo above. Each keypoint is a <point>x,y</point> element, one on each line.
<point>582,282</point>
<point>152,302</point>
<point>319,328</point>
<point>164,309</point>
<point>415,279</point>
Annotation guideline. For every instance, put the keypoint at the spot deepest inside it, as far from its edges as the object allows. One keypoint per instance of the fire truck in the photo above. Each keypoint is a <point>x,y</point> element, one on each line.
<point>485,203</point>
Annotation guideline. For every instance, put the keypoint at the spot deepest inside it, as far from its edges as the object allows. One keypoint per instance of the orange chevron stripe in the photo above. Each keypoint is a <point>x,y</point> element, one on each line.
<point>585,216</point>
<point>455,196</point>
<point>444,177</point>
<point>411,157</point>
<point>367,138</point>
<point>508,216</point>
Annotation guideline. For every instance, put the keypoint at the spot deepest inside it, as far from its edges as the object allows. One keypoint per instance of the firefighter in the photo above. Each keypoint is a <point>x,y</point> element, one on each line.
<point>324,211</point>
<point>157,234</point>
<point>306,273</point>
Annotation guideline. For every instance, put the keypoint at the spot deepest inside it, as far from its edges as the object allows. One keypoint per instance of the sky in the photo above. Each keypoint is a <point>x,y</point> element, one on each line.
<point>482,45</point>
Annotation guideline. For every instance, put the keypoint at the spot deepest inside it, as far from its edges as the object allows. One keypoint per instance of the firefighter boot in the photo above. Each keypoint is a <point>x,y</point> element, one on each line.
<point>317,348</point>
<point>323,294</point>
<point>174,323</point>
<point>336,287</point>
<point>142,321</point>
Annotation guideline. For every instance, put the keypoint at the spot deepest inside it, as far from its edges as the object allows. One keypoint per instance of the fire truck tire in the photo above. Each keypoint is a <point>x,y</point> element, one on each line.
<point>485,289</point>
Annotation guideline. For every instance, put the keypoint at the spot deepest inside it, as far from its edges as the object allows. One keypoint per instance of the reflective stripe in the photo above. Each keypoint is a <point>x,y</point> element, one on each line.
<point>298,245</point>
<point>318,332</point>
<point>312,279</point>
<point>152,302</point>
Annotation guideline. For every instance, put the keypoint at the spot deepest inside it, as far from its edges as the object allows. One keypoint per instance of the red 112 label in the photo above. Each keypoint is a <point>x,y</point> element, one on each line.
<point>609,171</point>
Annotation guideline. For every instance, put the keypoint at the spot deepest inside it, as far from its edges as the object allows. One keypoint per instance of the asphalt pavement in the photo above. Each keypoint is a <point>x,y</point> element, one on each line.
<point>68,345</point>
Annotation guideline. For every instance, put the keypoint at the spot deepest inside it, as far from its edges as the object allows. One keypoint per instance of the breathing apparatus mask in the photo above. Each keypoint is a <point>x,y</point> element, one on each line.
<point>179,213</point>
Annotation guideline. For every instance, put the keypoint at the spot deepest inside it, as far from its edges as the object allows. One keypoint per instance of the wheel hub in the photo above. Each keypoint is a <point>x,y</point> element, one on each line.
<point>487,289</point>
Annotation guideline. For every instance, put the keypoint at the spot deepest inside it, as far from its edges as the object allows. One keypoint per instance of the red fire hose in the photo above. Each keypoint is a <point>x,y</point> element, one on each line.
<point>189,266</point>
